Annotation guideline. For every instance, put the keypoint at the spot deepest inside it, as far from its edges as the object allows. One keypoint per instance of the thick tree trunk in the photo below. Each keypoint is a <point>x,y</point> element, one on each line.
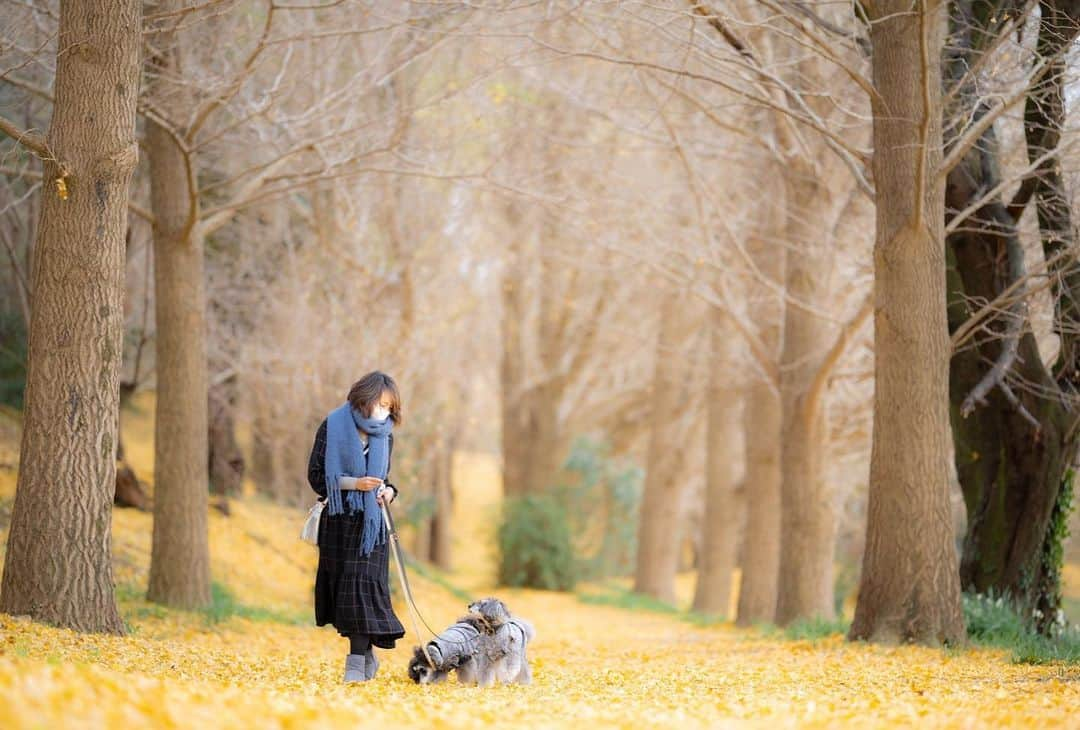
<point>909,589</point>
<point>807,519</point>
<point>58,567</point>
<point>180,557</point>
<point>1013,454</point>
<point>762,420</point>
<point>760,565</point>
<point>723,508</point>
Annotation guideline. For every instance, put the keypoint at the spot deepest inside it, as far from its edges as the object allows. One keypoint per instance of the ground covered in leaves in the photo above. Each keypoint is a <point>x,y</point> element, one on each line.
<point>255,659</point>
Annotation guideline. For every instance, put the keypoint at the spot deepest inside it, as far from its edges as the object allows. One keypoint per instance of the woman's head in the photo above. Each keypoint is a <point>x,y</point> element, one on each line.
<point>373,390</point>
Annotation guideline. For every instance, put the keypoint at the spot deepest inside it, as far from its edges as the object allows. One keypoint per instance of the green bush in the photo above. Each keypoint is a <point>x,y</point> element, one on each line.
<point>583,527</point>
<point>535,545</point>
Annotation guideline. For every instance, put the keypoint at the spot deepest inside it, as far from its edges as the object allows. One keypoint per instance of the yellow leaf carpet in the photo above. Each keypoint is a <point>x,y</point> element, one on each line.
<point>594,666</point>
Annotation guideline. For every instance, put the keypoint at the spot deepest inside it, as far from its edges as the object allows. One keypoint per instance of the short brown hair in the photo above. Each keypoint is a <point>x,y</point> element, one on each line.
<point>366,391</point>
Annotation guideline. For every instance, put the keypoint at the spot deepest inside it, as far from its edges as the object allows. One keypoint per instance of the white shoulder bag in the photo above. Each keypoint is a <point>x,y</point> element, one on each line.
<point>310,533</point>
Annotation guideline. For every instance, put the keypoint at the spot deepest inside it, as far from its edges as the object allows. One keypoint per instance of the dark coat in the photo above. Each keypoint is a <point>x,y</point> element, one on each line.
<point>352,591</point>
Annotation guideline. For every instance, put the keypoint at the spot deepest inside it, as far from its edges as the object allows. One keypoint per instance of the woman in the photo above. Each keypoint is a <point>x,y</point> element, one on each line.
<point>348,467</point>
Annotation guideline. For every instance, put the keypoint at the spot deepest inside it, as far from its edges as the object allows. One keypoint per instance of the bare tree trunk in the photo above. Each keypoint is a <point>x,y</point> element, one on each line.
<point>226,462</point>
<point>761,426</point>
<point>723,508</point>
<point>545,438</point>
<point>514,400</point>
<point>441,534</point>
<point>807,520</point>
<point>262,457</point>
<point>658,524</point>
<point>909,589</point>
<point>57,567</point>
<point>422,534</point>
<point>1014,454</point>
<point>180,556</point>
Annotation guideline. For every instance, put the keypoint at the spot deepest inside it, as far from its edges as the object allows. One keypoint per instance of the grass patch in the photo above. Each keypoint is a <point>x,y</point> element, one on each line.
<point>223,606</point>
<point>623,598</point>
<point>993,621</point>
<point>631,601</point>
<point>1063,649</point>
<point>812,629</point>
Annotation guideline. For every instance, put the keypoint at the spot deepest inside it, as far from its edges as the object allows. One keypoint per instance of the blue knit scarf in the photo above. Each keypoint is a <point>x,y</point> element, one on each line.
<point>345,457</point>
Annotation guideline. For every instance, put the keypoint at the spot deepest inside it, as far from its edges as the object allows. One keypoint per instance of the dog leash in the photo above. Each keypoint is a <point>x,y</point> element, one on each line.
<point>414,612</point>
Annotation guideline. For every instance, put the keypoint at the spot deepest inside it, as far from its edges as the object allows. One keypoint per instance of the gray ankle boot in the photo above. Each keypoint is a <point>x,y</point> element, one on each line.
<point>372,664</point>
<point>356,668</point>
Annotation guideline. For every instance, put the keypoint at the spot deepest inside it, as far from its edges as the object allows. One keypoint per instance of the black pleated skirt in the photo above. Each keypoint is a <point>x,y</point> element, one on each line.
<point>352,591</point>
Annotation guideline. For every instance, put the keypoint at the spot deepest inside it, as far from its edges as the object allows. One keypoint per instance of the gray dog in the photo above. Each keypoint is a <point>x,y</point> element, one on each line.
<point>485,646</point>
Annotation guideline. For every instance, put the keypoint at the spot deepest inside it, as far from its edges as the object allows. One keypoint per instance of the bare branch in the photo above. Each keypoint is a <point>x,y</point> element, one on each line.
<point>29,139</point>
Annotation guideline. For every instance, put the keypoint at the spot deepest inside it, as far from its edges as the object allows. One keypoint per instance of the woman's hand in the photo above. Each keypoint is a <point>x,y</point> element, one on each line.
<point>363,484</point>
<point>385,495</point>
<point>366,484</point>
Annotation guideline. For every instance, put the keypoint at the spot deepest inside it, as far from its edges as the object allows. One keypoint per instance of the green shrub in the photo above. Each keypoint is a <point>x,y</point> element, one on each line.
<point>583,527</point>
<point>535,545</point>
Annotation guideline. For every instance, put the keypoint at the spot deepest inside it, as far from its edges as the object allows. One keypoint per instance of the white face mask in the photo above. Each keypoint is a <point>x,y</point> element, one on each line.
<point>379,413</point>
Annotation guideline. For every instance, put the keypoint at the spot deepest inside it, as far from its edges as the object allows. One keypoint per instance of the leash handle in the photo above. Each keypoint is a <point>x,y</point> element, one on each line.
<point>414,613</point>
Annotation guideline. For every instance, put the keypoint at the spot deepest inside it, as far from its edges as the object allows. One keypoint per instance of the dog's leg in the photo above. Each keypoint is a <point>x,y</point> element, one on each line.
<point>486,674</point>
<point>525,675</point>
<point>466,673</point>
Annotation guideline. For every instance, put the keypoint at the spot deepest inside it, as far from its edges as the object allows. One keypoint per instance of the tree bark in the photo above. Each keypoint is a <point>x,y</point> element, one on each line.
<point>514,401</point>
<point>57,567</point>
<point>909,589</point>
<point>723,508</point>
<point>762,420</point>
<point>807,519</point>
<point>546,438</point>
<point>180,556</point>
<point>533,443</point>
<point>1012,457</point>
<point>658,524</point>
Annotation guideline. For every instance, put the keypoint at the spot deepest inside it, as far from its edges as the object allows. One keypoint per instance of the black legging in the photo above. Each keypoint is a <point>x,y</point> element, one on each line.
<point>359,643</point>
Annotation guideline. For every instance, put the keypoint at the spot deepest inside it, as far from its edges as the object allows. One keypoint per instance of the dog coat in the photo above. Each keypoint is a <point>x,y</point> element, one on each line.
<point>455,645</point>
